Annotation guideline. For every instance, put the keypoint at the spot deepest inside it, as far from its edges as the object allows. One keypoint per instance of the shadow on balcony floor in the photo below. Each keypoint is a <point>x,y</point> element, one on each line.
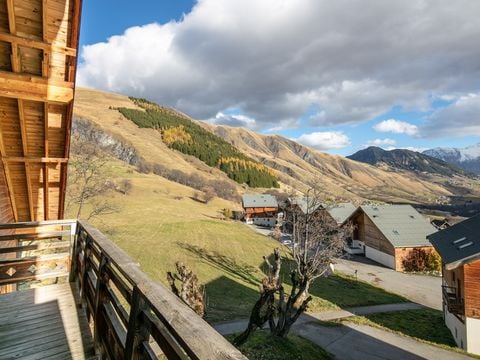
<point>44,323</point>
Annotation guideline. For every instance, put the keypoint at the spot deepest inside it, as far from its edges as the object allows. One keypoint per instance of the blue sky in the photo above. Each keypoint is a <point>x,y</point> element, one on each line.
<point>333,77</point>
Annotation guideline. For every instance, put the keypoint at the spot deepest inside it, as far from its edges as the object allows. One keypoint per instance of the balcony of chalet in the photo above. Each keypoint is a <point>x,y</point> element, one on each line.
<point>79,296</point>
<point>454,303</point>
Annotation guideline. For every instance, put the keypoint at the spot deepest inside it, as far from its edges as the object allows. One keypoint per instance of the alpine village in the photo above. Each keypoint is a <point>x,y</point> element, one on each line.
<point>131,230</point>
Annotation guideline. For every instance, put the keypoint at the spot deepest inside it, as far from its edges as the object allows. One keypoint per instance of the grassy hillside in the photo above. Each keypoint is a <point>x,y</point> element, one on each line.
<point>186,136</point>
<point>159,223</point>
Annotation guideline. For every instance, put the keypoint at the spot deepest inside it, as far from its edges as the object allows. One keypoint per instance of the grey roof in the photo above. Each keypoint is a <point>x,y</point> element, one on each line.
<point>301,202</point>
<point>458,244</point>
<point>341,212</point>
<point>263,200</point>
<point>402,225</point>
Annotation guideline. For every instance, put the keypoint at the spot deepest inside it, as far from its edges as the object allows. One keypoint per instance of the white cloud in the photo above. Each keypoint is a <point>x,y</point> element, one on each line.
<point>324,140</point>
<point>233,120</point>
<point>413,148</point>
<point>396,127</point>
<point>381,142</point>
<point>459,119</point>
<point>275,59</point>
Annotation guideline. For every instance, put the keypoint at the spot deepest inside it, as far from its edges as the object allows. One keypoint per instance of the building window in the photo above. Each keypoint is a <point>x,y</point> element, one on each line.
<point>453,276</point>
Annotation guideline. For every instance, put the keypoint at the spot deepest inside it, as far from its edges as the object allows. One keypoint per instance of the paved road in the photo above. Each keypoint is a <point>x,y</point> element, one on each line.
<point>352,342</point>
<point>231,327</point>
<point>425,290</point>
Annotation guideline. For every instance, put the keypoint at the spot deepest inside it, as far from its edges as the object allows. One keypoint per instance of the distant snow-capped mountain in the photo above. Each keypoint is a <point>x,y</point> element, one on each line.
<point>466,158</point>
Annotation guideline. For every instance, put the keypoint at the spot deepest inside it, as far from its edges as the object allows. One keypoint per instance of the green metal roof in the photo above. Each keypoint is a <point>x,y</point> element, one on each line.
<point>301,202</point>
<point>264,200</point>
<point>341,212</point>
<point>402,225</point>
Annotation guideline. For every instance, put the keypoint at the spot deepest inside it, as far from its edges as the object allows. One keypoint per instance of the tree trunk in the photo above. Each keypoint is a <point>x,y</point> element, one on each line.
<point>256,319</point>
<point>303,295</point>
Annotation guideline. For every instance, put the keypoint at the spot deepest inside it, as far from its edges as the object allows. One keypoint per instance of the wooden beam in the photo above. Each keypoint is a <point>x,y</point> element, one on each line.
<point>45,65</point>
<point>7,176</point>
<point>35,160</point>
<point>23,132</point>
<point>46,199</point>
<point>45,20</point>
<point>28,87</point>
<point>41,45</point>
<point>46,195</point>
<point>15,59</point>
<point>11,17</point>
<point>63,167</point>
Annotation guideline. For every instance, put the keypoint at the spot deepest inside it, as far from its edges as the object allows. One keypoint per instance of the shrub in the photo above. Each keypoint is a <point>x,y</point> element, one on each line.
<point>421,260</point>
<point>144,167</point>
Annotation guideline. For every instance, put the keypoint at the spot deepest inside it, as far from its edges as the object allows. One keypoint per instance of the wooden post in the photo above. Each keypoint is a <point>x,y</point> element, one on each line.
<point>137,332</point>
<point>75,234</point>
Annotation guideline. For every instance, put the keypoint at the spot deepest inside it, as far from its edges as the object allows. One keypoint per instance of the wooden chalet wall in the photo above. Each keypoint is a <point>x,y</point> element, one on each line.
<point>471,289</point>
<point>38,56</point>
<point>370,234</point>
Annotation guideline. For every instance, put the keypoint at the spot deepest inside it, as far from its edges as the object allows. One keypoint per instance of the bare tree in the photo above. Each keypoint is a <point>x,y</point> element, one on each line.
<point>316,241</point>
<point>87,180</point>
<point>191,291</point>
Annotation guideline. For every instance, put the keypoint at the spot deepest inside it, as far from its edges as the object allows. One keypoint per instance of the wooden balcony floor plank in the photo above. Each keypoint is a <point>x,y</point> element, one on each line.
<point>44,323</point>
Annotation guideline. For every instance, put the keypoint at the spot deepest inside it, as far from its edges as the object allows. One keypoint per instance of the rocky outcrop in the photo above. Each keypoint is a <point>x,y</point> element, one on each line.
<point>118,148</point>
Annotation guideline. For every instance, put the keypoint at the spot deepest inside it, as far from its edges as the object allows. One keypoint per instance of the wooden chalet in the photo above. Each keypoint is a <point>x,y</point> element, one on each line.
<point>260,209</point>
<point>335,212</point>
<point>68,291</point>
<point>459,247</point>
<point>388,233</point>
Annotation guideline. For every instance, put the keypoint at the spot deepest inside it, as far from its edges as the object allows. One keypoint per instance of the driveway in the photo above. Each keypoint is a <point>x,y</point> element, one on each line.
<point>352,342</point>
<point>422,289</point>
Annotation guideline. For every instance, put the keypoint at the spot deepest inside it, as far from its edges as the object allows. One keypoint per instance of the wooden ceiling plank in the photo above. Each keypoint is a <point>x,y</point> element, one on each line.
<point>47,47</point>
<point>23,132</point>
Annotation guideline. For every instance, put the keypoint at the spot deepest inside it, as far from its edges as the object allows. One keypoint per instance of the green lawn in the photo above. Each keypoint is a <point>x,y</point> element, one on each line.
<point>426,325</point>
<point>159,223</point>
<point>265,347</point>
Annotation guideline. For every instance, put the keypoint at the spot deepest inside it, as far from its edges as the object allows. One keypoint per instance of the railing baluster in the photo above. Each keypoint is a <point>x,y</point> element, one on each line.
<point>84,274</point>
<point>100,293</point>
<point>137,332</point>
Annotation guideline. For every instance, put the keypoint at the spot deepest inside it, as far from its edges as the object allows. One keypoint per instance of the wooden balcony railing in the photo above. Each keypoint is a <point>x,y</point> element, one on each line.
<point>35,251</point>
<point>132,317</point>
<point>454,304</point>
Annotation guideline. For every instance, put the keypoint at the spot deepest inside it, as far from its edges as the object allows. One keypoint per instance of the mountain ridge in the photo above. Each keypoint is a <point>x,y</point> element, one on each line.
<point>467,158</point>
<point>406,160</point>
<point>297,165</point>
